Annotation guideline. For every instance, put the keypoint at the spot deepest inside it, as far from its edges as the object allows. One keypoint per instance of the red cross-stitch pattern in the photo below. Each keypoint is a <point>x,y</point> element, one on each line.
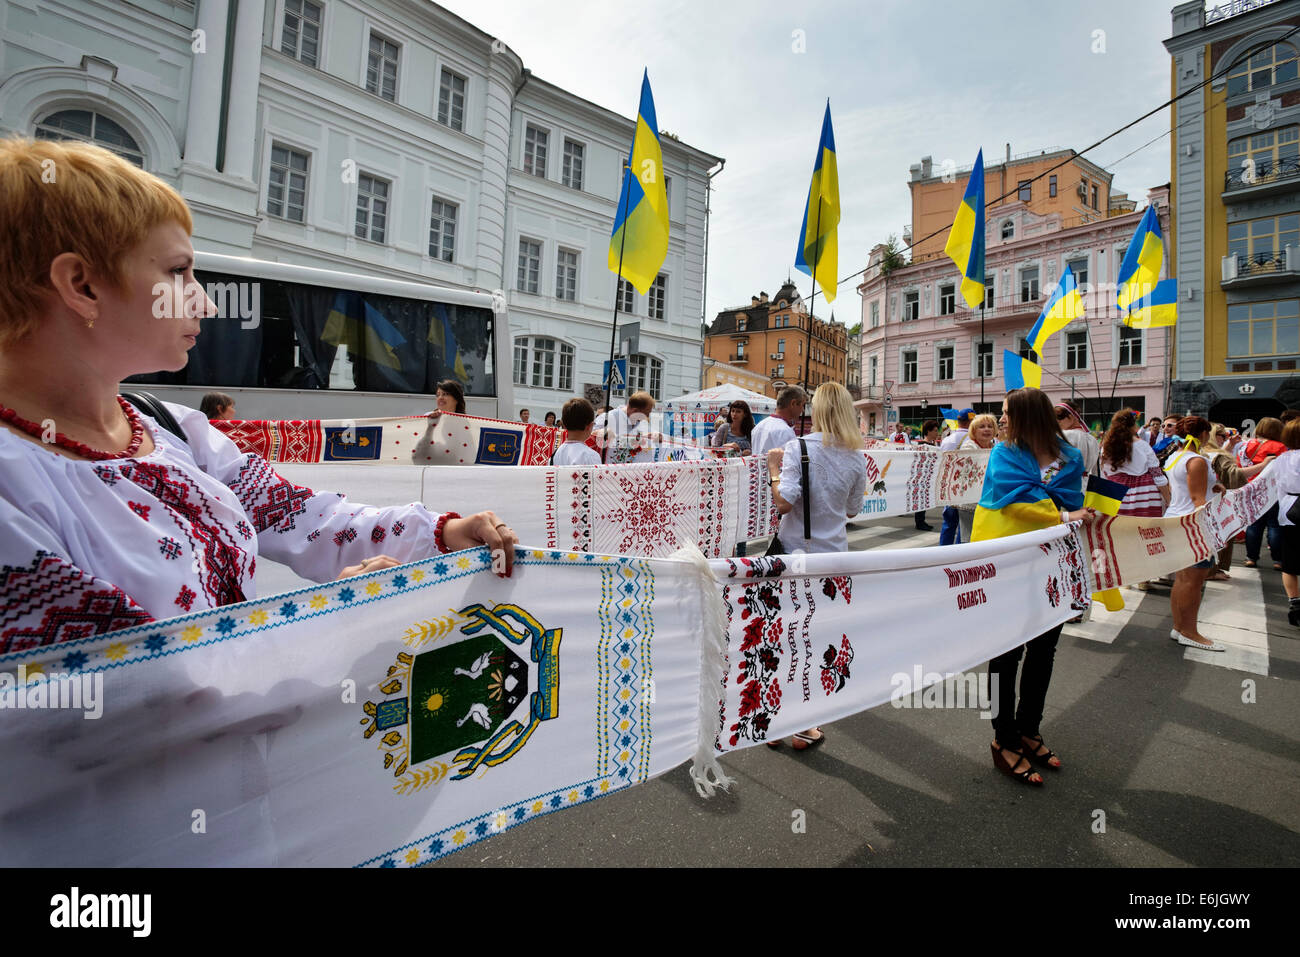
<point>51,600</point>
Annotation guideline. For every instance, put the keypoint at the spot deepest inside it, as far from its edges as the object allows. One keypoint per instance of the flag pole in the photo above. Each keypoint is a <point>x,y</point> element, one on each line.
<point>1118,355</point>
<point>812,299</point>
<point>982,375</point>
<point>613,333</point>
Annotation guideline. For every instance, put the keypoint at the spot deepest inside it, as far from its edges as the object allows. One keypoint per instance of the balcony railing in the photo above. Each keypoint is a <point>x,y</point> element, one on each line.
<point>1261,174</point>
<point>1263,264</point>
<point>738,357</point>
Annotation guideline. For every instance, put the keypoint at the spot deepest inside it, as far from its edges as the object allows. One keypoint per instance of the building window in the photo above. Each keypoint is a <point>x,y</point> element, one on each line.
<point>1029,284</point>
<point>1025,191</point>
<point>1026,351</point>
<point>451,100</point>
<point>566,274</point>
<point>1263,241</point>
<point>573,155</point>
<point>1130,346</point>
<point>1094,196</point>
<point>1008,229</point>
<point>909,365</point>
<point>286,187</point>
<point>988,292</point>
<point>944,368</point>
<point>740,348</point>
<point>625,296</point>
<point>1277,64</point>
<point>875,314</point>
<point>535,151</point>
<point>90,127</point>
<point>372,207</point>
<point>983,360</point>
<point>551,363</point>
<point>742,322</point>
<point>381,68</point>
<point>1051,185</point>
<point>947,300</point>
<point>1264,328</point>
<point>1262,155</point>
<point>873,365</point>
<point>780,348</point>
<point>780,371</point>
<point>300,37</point>
<point>1080,269</point>
<point>911,306</point>
<point>530,266</point>
<point>645,374</point>
<point>1076,350</point>
<point>668,194</point>
<point>657,298</point>
<point>442,230</point>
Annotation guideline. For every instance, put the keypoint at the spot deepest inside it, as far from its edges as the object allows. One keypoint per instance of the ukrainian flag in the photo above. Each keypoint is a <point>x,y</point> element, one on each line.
<point>1019,373</point>
<point>1063,307</point>
<point>950,417</point>
<point>818,245</point>
<point>966,241</point>
<point>364,330</point>
<point>1140,270</point>
<point>441,335</point>
<point>1104,495</point>
<point>1158,309</point>
<point>639,242</point>
<point>1015,500</point>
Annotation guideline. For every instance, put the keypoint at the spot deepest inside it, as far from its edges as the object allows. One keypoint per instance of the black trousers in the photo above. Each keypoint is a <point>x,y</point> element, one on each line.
<point>1012,722</point>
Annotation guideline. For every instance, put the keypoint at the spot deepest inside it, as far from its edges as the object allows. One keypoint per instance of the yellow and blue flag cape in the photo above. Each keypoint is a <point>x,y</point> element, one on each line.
<point>639,242</point>
<point>965,244</point>
<point>366,332</point>
<point>441,335</point>
<point>1140,270</point>
<point>950,417</point>
<point>1158,309</point>
<point>818,253</point>
<point>1063,307</point>
<point>1016,500</point>
<point>1104,495</point>
<point>1018,373</point>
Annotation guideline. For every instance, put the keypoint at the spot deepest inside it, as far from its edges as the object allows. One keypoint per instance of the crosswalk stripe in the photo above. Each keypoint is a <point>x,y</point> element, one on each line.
<point>1232,613</point>
<point>1104,626</point>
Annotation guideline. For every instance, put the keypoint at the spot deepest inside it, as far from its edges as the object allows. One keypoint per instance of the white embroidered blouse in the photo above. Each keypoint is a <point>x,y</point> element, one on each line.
<point>93,546</point>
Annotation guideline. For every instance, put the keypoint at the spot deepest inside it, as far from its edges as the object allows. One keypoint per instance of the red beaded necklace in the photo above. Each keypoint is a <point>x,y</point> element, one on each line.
<point>62,441</point>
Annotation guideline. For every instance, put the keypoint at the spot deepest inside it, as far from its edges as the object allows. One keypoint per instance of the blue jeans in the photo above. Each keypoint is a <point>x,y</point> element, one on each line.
<point>1255,536</point>
<point>950,534</point>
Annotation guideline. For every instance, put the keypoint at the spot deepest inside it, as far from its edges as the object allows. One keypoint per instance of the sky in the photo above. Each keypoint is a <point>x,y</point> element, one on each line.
<point>748,81</point>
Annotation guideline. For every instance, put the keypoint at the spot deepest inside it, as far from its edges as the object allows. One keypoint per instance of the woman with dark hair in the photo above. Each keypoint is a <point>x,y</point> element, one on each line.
<point>451,397</point>
<point>1288,487</point>
<point>734,432</point>
<point>1267,442</point>
<point>1127,458</point>
<point>1218,449</point>
<point>1034,480</point>
<point>1190,481</point>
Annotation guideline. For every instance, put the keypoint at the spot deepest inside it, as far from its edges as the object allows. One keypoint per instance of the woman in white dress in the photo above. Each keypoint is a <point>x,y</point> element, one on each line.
<point>111,521</point>
<point>1190,482</point>
<point>982,436</point>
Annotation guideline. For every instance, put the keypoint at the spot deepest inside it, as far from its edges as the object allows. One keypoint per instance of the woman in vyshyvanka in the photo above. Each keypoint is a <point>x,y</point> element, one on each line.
<point>109,520</point>
<point>1034,480</point>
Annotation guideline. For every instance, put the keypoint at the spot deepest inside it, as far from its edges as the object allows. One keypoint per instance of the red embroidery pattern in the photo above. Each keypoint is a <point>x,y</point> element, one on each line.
<point>272,502</point>
<point>185,598</point>
<point>141,510</point>
<point>835,665</point>
<point>51,601</point>
<point>345,536</point>
<point>760,698</point>
<point>378,534</point>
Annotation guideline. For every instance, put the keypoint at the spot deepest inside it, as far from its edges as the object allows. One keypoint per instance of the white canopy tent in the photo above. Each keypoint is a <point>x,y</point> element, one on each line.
<point>692,416</point>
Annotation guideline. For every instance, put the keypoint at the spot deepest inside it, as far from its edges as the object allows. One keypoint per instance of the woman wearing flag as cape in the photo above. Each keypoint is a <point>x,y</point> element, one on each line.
<point>1034,480</point>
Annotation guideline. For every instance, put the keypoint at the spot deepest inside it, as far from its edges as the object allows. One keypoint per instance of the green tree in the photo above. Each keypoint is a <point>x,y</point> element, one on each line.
<point>893,256</point>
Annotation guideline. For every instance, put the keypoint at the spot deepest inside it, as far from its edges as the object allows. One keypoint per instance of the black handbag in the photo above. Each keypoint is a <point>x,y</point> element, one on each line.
<point>776,548</point>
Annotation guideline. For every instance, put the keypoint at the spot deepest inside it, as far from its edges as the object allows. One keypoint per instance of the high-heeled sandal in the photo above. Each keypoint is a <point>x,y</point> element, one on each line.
<point>1025,776</point>
<point>1042,760</point>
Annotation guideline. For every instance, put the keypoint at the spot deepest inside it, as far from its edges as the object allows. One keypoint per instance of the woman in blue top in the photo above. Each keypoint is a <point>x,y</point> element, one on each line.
<point>1034,480</point>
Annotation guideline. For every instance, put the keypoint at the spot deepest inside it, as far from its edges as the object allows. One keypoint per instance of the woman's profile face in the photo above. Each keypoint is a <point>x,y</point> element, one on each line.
<point>446,401</point>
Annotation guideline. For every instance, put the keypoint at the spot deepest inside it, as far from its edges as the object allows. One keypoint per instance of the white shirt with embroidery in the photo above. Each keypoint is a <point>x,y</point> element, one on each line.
<point>837,480</point>
<point>94,546</point>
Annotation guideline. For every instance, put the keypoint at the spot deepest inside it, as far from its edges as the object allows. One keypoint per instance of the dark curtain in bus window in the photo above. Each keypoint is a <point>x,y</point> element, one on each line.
<point>461,346</point>
<point>227,353</point>
<point>319,320</point>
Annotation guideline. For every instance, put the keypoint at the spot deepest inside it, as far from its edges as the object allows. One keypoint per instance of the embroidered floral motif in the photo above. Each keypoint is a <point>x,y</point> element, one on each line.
<point>270,500</point>
<point>345,536</point>
<point>185,598</point>
<point>377,534</point>
<point>244,530</point>
<point>760,698</point>
<point>169,547</point>
<point>398,528</point>
<point>835,667</point>
<point>107,473</point>
<point>141,510</point>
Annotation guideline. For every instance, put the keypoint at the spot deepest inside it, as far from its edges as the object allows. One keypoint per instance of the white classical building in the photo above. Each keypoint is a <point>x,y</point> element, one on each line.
<point>387,137</point>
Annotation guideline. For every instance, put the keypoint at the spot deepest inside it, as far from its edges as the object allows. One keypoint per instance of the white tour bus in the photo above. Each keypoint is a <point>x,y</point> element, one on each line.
<point>295,342</point>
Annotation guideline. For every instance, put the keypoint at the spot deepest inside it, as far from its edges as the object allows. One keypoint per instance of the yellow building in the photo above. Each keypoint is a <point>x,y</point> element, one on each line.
<point>1235,241</point>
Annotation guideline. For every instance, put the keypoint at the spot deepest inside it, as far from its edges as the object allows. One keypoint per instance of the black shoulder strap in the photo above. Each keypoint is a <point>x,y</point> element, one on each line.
<point>803,482</point>
<point>150,405</point>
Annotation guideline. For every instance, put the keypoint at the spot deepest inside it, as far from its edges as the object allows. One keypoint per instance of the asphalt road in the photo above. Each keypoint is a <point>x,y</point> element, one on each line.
<point>1173,757</point>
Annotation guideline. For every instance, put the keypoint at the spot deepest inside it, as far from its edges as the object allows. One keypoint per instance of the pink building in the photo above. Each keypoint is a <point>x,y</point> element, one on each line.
<point>922,348</point>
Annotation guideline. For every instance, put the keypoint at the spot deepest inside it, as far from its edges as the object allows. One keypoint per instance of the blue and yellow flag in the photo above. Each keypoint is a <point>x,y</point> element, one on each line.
<point>965,244</point>
<point>1015,499</point>
<point>818,254</point>
<point>1064,305</point>
<point>441,335</point>
<point>950,417</point>
<point>1018,373</point>
<point>1158,309</point>
<point>1104,495</point>
<point>366,332</point>
<point>1140,270</point>
<point>639,242</point>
